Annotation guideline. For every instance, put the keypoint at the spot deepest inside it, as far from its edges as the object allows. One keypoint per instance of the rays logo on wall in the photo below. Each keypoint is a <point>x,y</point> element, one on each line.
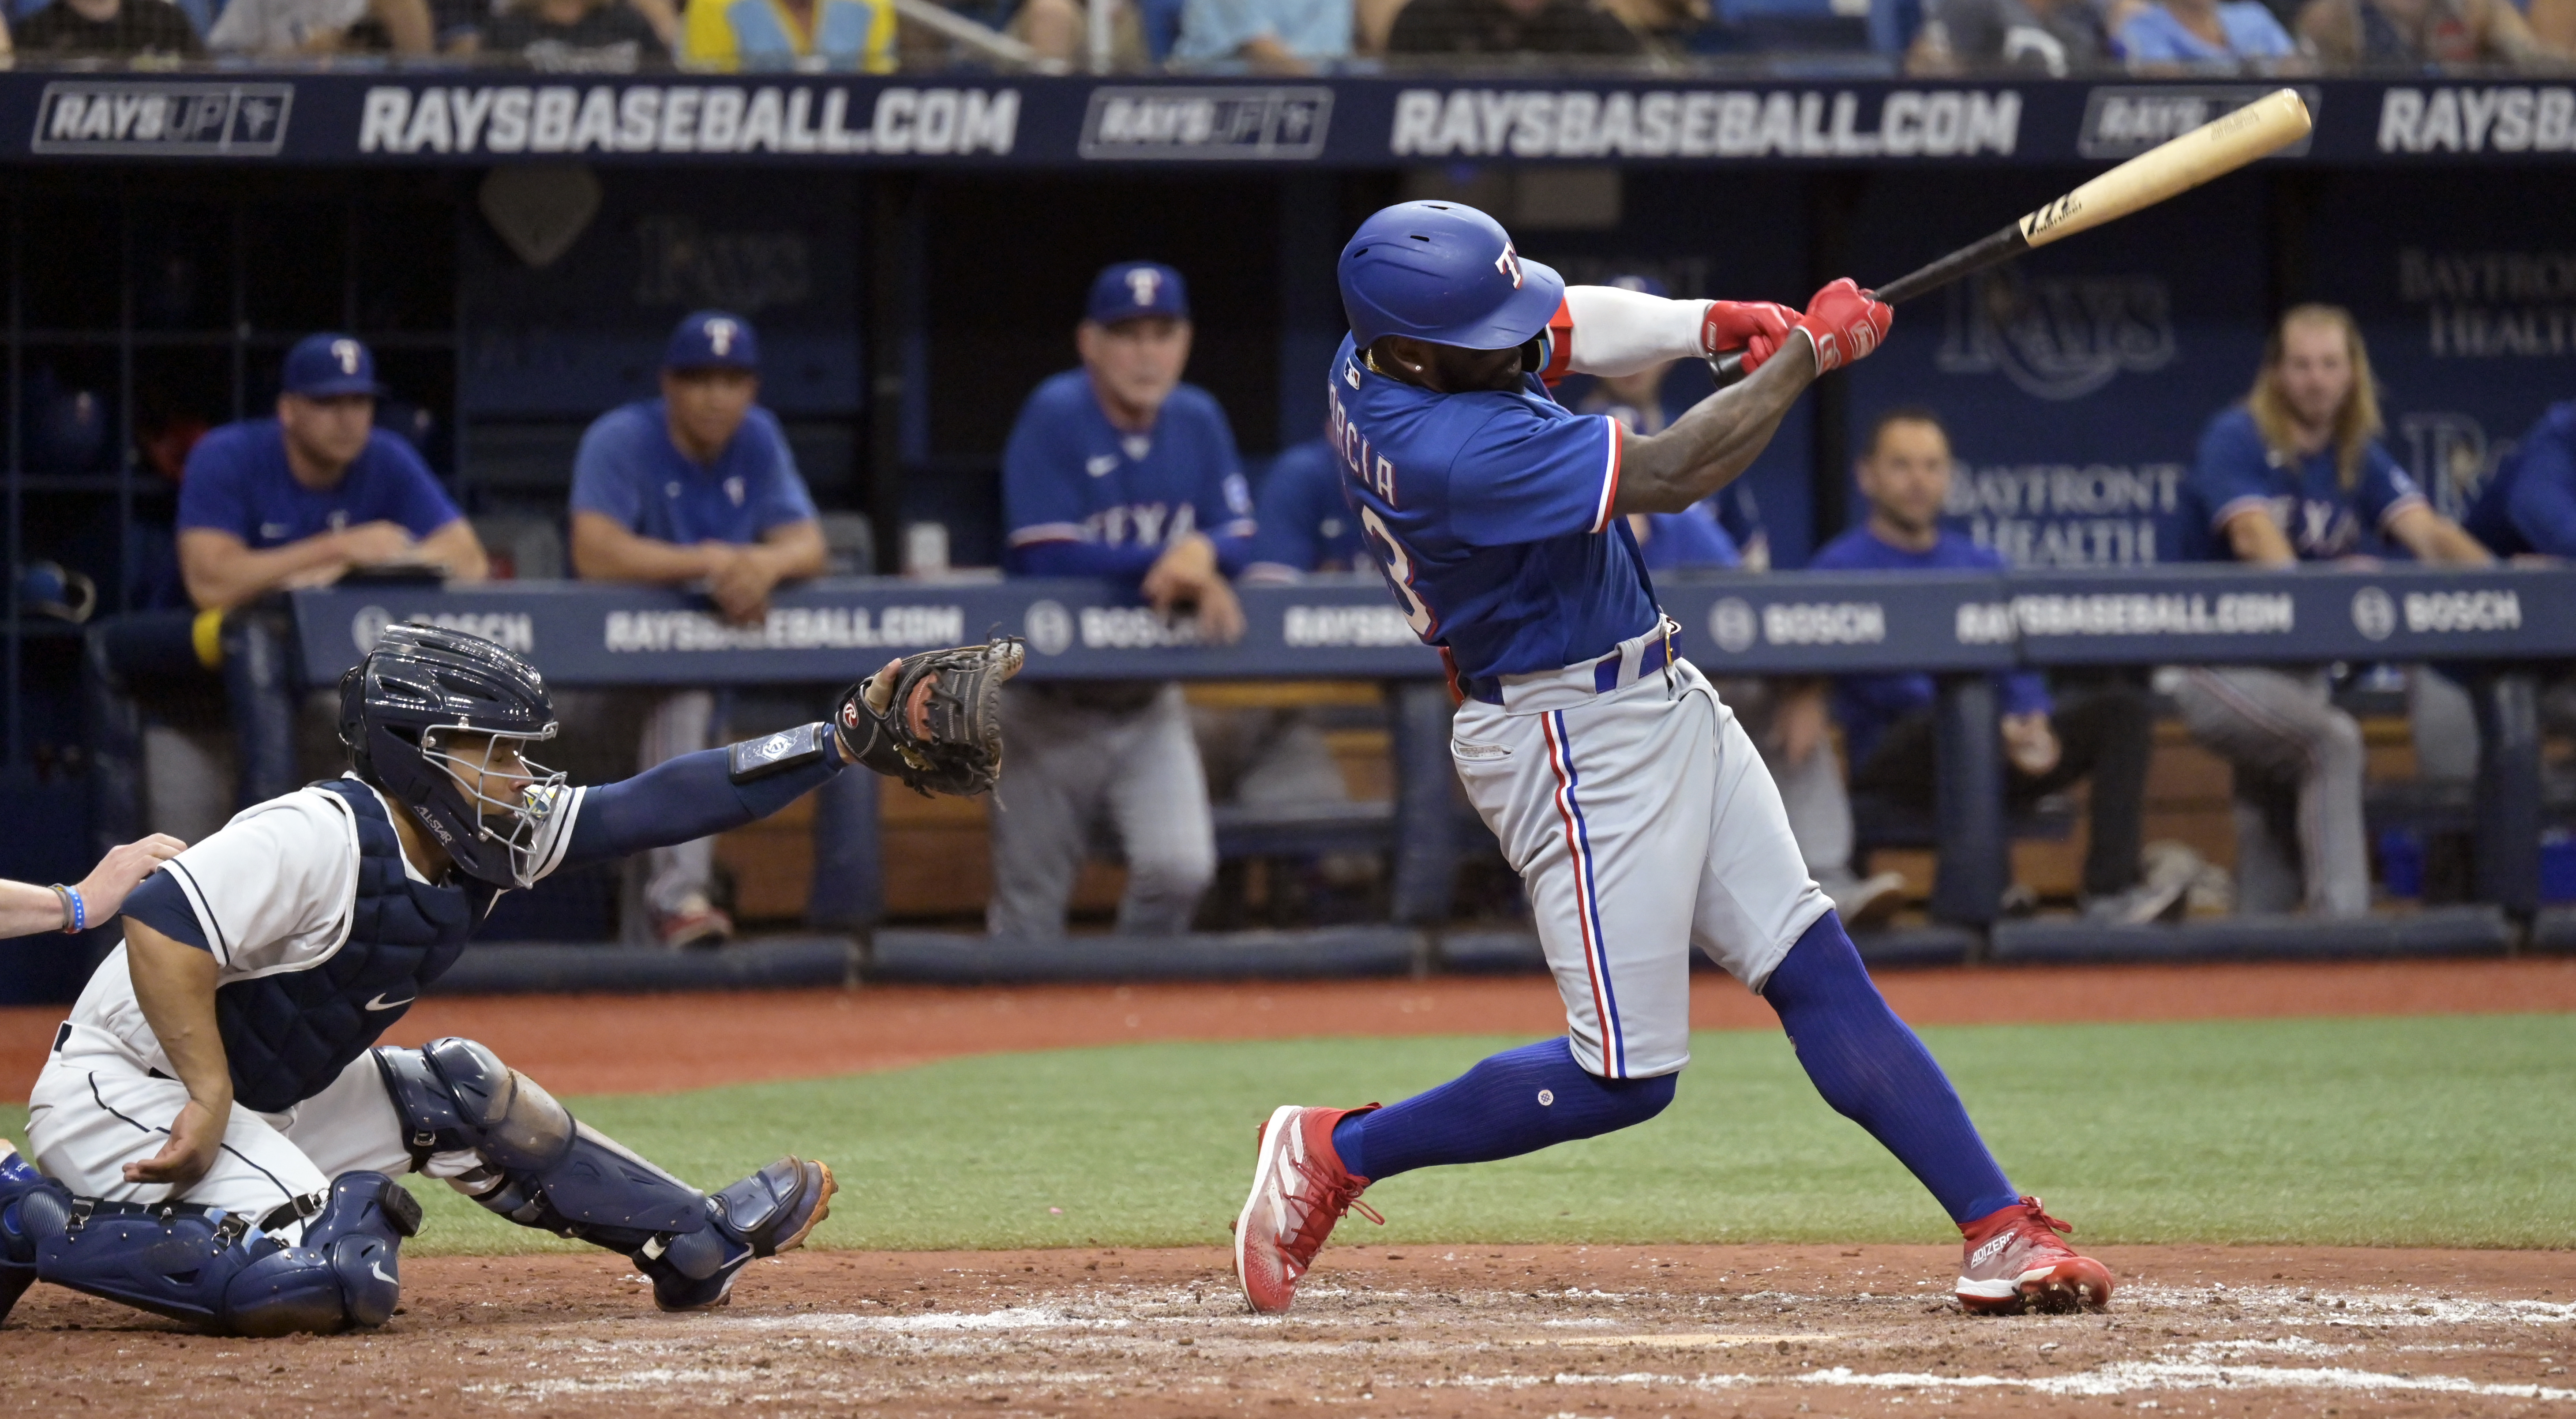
<point>2057,337</point>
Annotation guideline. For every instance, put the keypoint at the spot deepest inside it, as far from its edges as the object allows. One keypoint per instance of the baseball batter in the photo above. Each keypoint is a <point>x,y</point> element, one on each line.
<point>1635,809</point>
<point>216,1138</point>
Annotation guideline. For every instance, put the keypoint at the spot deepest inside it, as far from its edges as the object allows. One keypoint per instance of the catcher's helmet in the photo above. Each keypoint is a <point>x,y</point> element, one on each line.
<point>401,709</point>
<point>1445,273</point>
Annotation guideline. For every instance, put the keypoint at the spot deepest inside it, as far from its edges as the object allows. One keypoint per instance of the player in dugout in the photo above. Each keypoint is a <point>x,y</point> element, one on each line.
<point>697,486</point>
<point>2101,731</point>
<point>1119,470</point>
<point>1786,717</point>
<point>2297,473</point>
<point>297,499</point>
<point>2526,510</point>
<point>218,1135</point>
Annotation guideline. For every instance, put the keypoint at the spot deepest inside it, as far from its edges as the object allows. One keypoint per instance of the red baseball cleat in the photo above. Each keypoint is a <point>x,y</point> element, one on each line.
<point>1299,1190</point>
<point>2014,1262</point>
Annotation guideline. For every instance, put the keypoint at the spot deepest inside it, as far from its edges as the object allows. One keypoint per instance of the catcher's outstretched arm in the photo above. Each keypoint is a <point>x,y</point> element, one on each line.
<point>934,719</point>
<point>699,795</point>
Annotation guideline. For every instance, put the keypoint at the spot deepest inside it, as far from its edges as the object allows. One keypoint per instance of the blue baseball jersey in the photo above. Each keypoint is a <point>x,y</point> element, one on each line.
<point>1306,520</point>
<point>1692,537</point>
<point>1868,704</point>
<point>2530,503</point>
<point>237,481</point>
<point>628,470</point>
<point>1490,515</point>
<point>1071,478</point>
<point>2236,471</point>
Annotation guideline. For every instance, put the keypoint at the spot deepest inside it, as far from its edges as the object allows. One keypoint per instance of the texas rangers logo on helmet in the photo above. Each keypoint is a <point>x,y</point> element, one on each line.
<point>1509,263</point>
<point>348,354</point>
<point>1145,282</point>
<point>720,335</point>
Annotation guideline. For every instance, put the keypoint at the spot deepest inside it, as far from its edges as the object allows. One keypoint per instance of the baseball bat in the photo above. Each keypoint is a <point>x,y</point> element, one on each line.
<point>2214,149</point>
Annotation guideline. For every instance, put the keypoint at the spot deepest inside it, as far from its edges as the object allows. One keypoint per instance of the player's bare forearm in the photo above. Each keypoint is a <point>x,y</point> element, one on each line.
<point>456,548</point>
<point>1707,447</point>
<point>175,984</point>
<point>795,550</point>
<point>602,550</point>
<point>2435,538</point>
<point>222,572</point>
<point>2255,538</point>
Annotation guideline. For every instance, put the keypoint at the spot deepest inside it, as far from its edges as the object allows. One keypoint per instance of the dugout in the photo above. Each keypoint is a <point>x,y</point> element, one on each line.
<point>914,248</point>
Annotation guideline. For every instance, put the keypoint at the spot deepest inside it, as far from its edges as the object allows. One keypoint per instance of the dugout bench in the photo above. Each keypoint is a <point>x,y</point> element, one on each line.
<point>2498,629</point>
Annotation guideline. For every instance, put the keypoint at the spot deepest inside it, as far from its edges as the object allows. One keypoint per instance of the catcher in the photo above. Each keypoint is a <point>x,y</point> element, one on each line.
<point>213,1137</point>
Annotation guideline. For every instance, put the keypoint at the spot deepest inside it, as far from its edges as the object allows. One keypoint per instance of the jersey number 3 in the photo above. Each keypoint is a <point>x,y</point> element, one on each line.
<point>1399,573</point>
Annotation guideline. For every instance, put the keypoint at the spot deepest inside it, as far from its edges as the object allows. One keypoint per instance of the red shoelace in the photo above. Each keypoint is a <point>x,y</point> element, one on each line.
<point>1327,1202</point>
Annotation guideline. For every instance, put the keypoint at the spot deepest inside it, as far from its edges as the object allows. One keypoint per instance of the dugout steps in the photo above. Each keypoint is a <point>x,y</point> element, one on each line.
<point>914,957</point>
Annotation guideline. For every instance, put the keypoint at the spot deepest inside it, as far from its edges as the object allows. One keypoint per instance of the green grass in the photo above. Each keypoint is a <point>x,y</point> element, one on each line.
<point>2421,1132</point>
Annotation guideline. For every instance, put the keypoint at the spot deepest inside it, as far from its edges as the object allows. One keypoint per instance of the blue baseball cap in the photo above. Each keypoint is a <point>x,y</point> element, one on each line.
<point>712,340</point>
<point>1446,273</point>
<point>1132,290</point>
<point>327,365</point>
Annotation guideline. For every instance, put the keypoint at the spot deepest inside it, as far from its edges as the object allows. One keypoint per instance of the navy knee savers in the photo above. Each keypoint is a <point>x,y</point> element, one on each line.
<point>219,1271</point>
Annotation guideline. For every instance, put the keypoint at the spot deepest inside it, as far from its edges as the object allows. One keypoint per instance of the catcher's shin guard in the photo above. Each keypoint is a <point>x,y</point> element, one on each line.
<point>32,1208</point>
<point>541,1169</point>
<point>226,1275</point>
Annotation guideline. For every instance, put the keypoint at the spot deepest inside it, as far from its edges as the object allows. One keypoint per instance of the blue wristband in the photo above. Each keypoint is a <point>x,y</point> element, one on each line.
<point>76,910</point>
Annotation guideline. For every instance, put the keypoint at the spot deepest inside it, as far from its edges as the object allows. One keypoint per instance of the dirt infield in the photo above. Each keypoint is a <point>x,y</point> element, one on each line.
<point>1459,1332</point>
<point>584,1044</point>
<point>1464,1331</point>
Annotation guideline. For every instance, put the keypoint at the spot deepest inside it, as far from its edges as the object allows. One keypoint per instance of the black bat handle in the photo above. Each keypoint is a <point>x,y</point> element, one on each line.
<point>1727,367</point>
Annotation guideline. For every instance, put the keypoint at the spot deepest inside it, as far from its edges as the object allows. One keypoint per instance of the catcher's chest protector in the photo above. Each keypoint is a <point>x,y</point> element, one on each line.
<point>289,1035</point>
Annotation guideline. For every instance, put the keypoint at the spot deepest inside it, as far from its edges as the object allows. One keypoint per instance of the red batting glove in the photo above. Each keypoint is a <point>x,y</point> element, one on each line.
<point>1744,325</point>
<point>1844,323</point>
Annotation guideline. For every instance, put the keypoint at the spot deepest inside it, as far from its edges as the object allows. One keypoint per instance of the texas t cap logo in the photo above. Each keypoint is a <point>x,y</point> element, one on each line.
<point>1509,263</point>
<point>1145,283</point>
<point>348,354</point>
<point>720,336</point>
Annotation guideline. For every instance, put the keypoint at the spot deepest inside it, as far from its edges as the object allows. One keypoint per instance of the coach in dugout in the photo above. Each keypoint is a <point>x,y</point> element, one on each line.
<point>2100,731</point>
<point>1118,470</point>
<point>2297,473</point>
<point>2527,511</point>
<point>697,487</point>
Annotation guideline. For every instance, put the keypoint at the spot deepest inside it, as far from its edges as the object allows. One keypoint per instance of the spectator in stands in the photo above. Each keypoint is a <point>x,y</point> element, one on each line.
<point>1121,472</point>
<point>2298,473</point>
<point>299,499</point>
<point>1463,27</point>
<point>745,35</point>
<point>126,28</point>
<point>2197,34</point>
<point>2052,37</point>
<point>1786,718</point>
<point>1269,36</point>
<point>697,487</point>
<point>586,36</point>
<point>1060,32</point>
<point>284,27</point>
<point>2409,34</point>
<point>2102,732</point>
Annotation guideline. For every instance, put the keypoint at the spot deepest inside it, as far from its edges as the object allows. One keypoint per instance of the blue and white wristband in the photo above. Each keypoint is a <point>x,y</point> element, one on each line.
<point>75,911</point>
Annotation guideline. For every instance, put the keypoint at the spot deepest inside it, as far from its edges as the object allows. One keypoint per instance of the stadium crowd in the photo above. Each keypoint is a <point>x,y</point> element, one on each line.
<point>1924,37</point>
<point>1119,469</point>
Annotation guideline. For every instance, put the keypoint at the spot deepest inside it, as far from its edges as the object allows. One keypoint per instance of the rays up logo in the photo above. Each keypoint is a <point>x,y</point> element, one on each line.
<point>2057,337</point>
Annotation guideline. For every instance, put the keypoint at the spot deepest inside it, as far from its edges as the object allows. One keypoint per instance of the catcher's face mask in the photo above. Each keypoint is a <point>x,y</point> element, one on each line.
<point>509,797</point>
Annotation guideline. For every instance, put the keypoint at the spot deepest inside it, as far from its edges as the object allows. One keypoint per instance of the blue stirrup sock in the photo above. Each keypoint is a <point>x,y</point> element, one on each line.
<point>1873,1070</point>
<point>1512,1103</point>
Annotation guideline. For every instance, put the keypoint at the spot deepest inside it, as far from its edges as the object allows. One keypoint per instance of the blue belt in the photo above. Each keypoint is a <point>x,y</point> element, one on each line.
<point>1605,673</point>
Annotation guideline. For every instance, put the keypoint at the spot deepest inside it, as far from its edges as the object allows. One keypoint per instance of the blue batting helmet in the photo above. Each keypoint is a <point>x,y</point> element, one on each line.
<point>1446,273</point>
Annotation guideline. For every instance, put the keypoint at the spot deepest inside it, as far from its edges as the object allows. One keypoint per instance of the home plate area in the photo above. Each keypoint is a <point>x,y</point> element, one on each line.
<point>1436,1331</point>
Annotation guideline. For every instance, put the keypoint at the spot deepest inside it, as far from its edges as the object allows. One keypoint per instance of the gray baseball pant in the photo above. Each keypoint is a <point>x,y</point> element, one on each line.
<point>1072,765</point>
<point>2299,836</point>
<point>683,722</point>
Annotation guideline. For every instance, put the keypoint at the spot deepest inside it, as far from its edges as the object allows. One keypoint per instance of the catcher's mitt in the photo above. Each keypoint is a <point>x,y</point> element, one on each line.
<point>934,719</point>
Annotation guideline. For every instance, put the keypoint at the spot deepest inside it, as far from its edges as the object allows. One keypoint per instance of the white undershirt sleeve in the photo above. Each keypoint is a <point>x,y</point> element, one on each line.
<point>1620,332</point>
